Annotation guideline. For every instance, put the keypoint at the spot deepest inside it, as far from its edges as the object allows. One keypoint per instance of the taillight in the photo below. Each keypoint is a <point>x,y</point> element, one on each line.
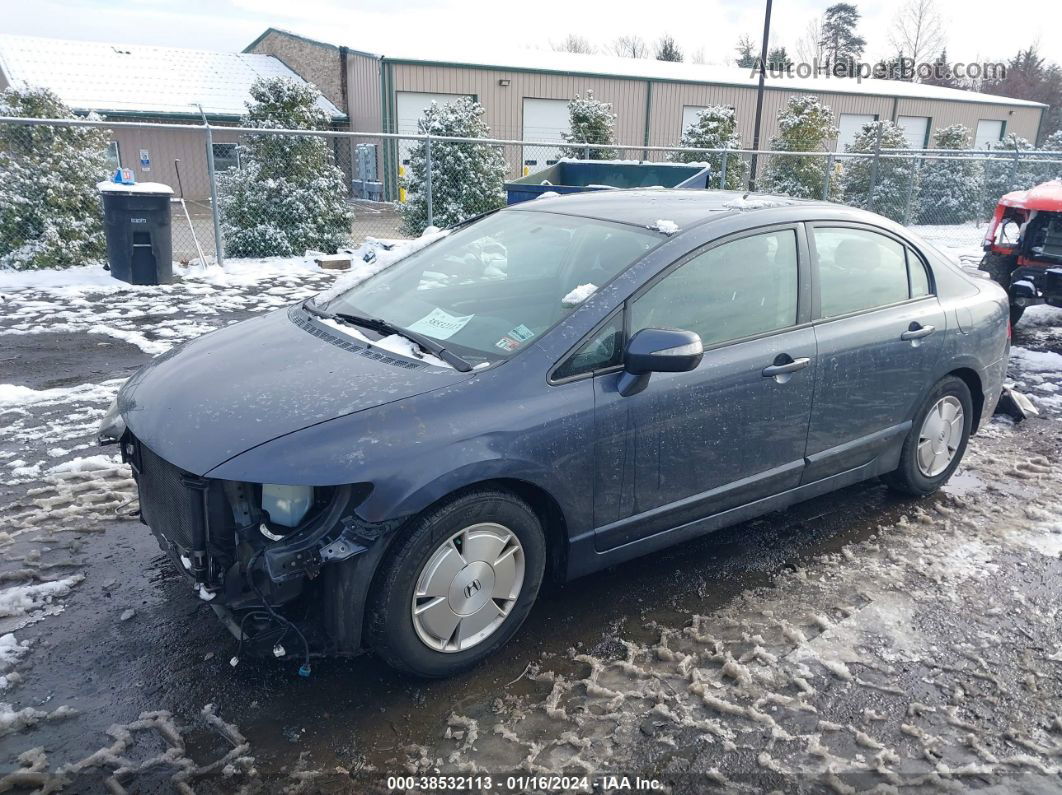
<point>1010,331</point>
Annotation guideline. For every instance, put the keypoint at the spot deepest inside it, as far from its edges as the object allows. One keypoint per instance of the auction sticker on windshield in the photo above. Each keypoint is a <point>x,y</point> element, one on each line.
<point>440,324</point>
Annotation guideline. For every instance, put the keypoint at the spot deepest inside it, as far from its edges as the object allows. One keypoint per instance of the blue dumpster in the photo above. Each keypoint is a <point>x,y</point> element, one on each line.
<point>576,176</point>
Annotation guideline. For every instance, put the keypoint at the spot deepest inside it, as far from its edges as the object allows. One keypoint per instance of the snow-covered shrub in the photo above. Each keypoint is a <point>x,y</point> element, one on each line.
<point>950,190</point>
<point>591,121</point>
<point>288,196</point>
<point>714,128</point>
<point>805,124</point>
<point>1005,171</point>
<point>466,178</point>
<point>1052,170</point>
<point>50,211</point>
<point>882,184</point>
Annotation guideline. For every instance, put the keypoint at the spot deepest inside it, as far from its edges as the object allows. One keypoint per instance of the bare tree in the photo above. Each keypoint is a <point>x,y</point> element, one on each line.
<point>632,46</point>
<point>574,43</point>
<point>917,31</point>
<point>809,47</point>
<point>698,56</point>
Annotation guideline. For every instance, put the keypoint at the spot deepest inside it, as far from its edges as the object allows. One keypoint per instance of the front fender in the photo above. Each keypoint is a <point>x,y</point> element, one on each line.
<point>414,452</point>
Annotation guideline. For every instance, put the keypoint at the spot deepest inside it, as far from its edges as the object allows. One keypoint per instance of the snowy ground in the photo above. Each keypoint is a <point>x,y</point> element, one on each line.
<point>857,641</point>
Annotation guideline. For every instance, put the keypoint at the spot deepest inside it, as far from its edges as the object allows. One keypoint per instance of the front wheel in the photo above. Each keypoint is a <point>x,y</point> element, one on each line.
<point>937,439</point>
<point>459,585</point>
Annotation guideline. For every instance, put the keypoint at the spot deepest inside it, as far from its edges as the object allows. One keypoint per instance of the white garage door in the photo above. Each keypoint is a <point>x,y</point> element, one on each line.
<point>989,131</point>
<point>544,120</point>
<point>850,125</point>
<point>915,130</point>
<point>689,115</point>
<point>409,107</point>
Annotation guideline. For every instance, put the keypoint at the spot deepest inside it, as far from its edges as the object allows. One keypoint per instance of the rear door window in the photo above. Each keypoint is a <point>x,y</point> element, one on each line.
<point>859,269</point>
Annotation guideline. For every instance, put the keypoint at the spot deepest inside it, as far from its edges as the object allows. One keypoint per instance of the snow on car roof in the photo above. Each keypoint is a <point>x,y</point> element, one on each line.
<point>126,78</point>
<point>681,72</point>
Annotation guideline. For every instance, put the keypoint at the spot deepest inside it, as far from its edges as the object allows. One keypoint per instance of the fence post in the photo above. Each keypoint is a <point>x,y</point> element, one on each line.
<point>911,189</point>
<point>827,176</point>
<point>586,151</point>
<point>214,212</point>
<point>722,172</point>
<point>874,166</point>
<point>427,179</point>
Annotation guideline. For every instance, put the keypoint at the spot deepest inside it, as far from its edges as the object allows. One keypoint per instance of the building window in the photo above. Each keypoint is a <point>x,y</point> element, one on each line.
<point>114,157</point>
<point>989,133</point>
<point>226,156</point>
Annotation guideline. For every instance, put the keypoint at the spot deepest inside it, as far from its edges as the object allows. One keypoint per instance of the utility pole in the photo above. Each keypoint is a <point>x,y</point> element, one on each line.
<point>759,98</point>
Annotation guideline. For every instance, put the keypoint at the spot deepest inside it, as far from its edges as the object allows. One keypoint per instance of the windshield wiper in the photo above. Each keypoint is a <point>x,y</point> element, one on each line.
<point>384,327</point>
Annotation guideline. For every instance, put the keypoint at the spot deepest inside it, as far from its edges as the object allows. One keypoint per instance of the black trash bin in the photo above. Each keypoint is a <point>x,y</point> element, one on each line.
<point>137,221</point>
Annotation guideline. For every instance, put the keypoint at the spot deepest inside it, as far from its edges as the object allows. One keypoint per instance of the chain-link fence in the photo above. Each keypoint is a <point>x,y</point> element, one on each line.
<point>259,193</point>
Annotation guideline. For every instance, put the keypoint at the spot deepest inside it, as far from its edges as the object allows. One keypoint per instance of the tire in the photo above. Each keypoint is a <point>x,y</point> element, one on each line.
<point>409,632</point>
<point>913,476</point>
<point>999,267</point>
<point>1015,314</point>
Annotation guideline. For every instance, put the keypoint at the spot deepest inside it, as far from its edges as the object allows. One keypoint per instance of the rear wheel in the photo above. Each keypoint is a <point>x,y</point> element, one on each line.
<point>937,439</point>
<point>459,585</point>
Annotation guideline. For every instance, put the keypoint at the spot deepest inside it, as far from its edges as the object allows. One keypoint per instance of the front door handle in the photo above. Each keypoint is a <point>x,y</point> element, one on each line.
<point>917,331</point>
<point>786,368</point>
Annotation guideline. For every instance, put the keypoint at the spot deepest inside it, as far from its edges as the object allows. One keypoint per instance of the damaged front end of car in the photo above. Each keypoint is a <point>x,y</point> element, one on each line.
<point>285,568</point>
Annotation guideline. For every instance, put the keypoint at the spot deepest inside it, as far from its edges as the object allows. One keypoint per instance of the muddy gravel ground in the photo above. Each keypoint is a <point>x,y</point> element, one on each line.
<point>858,642</point>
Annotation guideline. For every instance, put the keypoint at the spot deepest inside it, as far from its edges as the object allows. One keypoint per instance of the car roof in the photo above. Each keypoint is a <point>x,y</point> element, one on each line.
<point>646,207</point>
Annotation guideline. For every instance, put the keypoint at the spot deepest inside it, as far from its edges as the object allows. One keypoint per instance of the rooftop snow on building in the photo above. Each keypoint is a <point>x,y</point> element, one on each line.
<point>138,79</point>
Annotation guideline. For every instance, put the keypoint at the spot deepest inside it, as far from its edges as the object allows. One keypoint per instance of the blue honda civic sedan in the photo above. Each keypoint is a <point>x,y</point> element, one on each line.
<point>545,391</point>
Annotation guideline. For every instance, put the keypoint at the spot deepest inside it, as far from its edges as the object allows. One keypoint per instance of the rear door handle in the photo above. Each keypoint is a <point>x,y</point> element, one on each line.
<point>916,332</point>
<point>788,367</point>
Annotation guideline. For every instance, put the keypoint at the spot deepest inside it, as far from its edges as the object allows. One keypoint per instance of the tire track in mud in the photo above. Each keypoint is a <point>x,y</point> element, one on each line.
<point>912,659</point>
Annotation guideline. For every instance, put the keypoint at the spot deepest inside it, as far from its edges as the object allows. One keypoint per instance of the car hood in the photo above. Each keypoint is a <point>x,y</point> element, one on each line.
<point>241,386</point>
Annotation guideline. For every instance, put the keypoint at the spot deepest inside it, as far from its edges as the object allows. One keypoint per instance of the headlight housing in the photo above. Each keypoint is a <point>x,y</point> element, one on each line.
<point>112,426</point>
<point>286,505</point>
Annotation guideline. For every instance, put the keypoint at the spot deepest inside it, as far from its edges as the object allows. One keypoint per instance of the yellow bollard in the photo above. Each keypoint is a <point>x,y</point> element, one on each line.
<point>401,188</point>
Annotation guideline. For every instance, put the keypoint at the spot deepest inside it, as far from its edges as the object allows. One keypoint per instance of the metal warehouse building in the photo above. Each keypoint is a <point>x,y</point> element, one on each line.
<point>525,94</point>
<point>149,84</point>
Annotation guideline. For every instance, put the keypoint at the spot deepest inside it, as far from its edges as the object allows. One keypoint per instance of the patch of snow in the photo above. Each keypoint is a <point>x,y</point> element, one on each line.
<point>11,651</point>
<point>204,594</point>
<point>23,599</point>
<point>550,194</point>
<point>376,255</point>
<point>90,463</point>
<point>137,187</point>
<point>578,295</point>
<point>393,343</point>
<point>1036,361</point>
<point>665,226</point>
<point>90,75</point>
<point>13,395</point>
<point>12,720</point>
<point>756,203</point>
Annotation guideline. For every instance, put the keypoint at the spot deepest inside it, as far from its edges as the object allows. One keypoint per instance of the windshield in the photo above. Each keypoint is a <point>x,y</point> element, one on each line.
<point>492,287</point>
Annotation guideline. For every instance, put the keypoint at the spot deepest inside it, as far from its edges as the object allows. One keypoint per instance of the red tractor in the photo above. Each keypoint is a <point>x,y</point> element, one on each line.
<point>1023,247</point>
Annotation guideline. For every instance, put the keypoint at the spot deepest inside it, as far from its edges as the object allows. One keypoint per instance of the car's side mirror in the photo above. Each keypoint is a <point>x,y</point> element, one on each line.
<point>657,350</point>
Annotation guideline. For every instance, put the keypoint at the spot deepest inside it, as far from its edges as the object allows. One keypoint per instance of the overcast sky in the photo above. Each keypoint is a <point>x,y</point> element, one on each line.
<point>976,29</point>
